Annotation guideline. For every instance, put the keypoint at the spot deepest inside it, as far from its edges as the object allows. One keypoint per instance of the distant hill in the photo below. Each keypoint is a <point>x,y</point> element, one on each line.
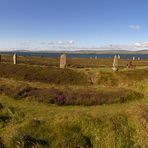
<point>98,51</point>
<point>143,51</point>
<point>85,51</point>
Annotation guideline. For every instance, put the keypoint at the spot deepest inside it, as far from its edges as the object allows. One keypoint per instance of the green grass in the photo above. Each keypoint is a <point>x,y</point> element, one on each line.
<point>72,126</point>
<point>71,76</point>
<point>28,119</point>
<point>44,125</point>
<point>42,74</point>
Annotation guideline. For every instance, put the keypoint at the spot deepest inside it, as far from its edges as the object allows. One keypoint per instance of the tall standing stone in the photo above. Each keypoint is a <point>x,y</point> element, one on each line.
<point>15,58</point>
<point>115,63</point>
<point>63,61</point>
<point>0,58</point>
<point>119,57</point>
<point>133,58</point>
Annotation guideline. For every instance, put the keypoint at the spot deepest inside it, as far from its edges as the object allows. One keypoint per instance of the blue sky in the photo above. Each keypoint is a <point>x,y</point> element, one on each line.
<point>86,22</point>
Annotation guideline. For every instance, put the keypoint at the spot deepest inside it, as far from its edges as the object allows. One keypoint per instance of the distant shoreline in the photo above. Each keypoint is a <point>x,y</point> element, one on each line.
<point>92,55</point>
<point>80,51</point>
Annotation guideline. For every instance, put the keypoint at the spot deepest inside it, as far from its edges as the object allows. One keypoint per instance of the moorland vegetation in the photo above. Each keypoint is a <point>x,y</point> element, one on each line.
<point>85,105</point>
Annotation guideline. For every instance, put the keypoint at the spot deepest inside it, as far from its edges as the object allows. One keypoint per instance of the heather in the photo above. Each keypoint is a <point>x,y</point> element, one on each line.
<point>86,105</point>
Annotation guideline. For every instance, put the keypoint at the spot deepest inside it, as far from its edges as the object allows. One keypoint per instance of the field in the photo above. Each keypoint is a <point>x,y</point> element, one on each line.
<point>86,105</point>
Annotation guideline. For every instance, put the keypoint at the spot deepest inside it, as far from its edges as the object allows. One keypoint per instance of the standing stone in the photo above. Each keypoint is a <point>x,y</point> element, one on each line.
<point>133,58</point>
<point>115,63</point>
<point>63,61</point>
<point>96,57</point>
<point>15,58</point>
<point>0,58</point>
<point>119,57</point>
<point>138,58</point>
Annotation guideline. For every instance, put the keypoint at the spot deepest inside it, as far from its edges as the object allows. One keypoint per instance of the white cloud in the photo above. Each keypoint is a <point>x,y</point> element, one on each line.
<point>71,42</point>
<point>138,44</point>
<point>135,27</point>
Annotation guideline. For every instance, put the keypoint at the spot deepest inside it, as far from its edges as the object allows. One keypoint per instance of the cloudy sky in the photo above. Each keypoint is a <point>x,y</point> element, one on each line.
<point>31,23</point>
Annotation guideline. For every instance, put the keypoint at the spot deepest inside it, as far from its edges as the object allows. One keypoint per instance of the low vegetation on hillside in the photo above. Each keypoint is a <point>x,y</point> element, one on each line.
<point>70,76</point>
<point>42,74</point>
<point>71,96</point>
<point>42,106</point>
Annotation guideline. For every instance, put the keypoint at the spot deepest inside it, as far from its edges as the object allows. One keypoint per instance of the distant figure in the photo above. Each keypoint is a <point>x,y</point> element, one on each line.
<point>63,61</point>
<point>115,63</point>
<point>130,65</point>
<point>14,58</point>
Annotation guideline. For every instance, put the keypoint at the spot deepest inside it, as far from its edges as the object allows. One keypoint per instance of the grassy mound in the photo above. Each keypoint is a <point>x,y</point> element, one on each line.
<point>34,124</point>
<point>71,96</point>
<point>72,77</point>
<point>116,78</point>
<point>42,74</point>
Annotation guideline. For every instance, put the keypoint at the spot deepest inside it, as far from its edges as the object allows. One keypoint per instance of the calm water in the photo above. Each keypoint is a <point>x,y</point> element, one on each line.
<point>72,55</point>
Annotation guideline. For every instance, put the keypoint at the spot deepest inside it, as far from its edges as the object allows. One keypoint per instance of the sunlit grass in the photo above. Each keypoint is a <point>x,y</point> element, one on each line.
<point>25,122</point>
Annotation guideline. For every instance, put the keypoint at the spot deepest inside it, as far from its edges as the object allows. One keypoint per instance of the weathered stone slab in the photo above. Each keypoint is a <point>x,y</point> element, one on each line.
<point>14,58</point>
<point>63,61</point>
<point>115,63</point>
